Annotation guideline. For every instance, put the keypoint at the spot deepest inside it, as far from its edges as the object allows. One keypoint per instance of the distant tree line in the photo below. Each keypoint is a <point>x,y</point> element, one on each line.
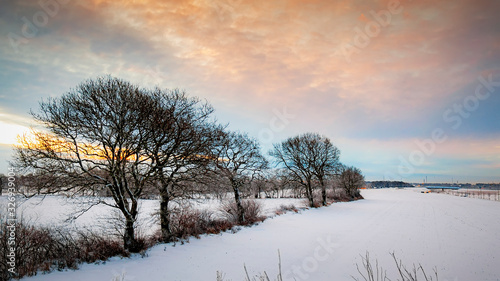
<point>385,184</point>
<point>493,186</point>
<point>110,137</point>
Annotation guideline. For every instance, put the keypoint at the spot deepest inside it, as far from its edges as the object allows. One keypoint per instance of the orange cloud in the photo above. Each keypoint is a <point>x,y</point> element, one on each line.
<point>363,18</point>
<point>252,56</point>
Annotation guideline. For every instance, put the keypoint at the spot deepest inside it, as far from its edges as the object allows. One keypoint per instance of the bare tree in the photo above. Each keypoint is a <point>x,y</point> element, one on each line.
<point>325,161</point>
<point>91,140</point>
<point>292,154</point>
<point>351,179</point>
<point>237,158</point>
<point>179,148</point>
<point>308,157</point>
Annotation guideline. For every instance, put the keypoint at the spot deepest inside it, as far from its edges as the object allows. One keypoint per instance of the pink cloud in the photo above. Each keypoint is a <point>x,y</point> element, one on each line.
<point>250,57</point>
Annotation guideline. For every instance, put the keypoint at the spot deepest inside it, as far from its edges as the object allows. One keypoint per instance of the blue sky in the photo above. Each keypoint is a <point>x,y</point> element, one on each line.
<point>377,77</point>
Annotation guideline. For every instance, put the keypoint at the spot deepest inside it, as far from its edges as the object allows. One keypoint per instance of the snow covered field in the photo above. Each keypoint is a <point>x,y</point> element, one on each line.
<point>459,236</point>
<point>55,210</point>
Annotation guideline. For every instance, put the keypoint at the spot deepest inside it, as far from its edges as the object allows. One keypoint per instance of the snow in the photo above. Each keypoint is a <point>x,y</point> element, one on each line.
<point>55,210</point>
<point>459,236</point>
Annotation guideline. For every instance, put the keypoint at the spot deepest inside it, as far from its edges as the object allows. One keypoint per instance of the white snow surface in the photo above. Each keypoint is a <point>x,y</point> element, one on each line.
<point>55,210</point>
<point>458,236</point>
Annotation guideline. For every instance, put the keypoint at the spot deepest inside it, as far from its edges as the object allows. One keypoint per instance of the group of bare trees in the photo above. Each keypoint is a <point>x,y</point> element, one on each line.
<point>110,134</point>
<point>309,157</point>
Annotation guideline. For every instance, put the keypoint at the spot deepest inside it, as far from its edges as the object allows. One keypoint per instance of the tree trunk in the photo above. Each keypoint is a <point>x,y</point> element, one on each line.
<point>166,232</point>
<point>239,206</point>
<point>257,194</point>
<point>323,191</point>
<point>310,196</point>
<point>129,241</point>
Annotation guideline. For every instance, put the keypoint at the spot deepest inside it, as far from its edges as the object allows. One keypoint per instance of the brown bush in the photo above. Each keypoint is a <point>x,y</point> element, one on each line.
<point>188,222</point>
<point>185,222</point>
<point>286,208</point>
<point>46,249</point>
<point>252,210</point>
<point>338,195</point>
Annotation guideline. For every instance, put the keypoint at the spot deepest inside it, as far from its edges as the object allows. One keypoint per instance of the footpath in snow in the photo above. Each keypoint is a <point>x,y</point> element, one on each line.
<point>459,236</point>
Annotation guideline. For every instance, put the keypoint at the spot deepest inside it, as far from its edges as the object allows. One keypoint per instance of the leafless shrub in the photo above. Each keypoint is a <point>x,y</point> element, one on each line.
<point>317,204</point>
<point>412,275</point>
<point>93,247</point>
<point>371,273</point>
<point>187,222</point>
<point>46,249</point>
<point>252,211</point>
<point>337,195</point>
<point>286,208</point>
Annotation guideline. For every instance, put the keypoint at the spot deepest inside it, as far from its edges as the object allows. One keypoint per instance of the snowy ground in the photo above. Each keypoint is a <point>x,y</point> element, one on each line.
<point>55,210</point>
<point>459,236</point>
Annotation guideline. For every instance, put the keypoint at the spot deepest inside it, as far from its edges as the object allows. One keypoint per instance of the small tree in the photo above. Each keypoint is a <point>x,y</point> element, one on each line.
<point>308,157</point>
<point>351,180</point>
<point>92,140</point>
<point>237,158</point>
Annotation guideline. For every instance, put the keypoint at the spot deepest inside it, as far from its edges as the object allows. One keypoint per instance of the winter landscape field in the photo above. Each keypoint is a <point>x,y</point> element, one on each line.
<point>456,236</point>
<point>249,140</point>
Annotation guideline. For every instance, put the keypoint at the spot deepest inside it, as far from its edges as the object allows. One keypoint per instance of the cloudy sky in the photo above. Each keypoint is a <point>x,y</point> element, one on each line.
<point>406,89</point>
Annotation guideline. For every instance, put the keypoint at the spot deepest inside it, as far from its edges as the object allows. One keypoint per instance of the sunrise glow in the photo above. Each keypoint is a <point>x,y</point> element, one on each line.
<point>382,79</point>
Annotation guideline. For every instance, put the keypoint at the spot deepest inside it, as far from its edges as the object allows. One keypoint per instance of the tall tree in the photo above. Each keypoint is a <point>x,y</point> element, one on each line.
<point>92,140</point>
<point>237,158</point>
<point>308,157</point>
<point>292,154</point>
<point>325,161</point>
<point>180,147</point>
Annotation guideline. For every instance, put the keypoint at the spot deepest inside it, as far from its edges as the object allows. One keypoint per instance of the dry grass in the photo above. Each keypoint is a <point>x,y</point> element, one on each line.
<point>374,272</point>
<point>261,277</point>
<point>369,271</point>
